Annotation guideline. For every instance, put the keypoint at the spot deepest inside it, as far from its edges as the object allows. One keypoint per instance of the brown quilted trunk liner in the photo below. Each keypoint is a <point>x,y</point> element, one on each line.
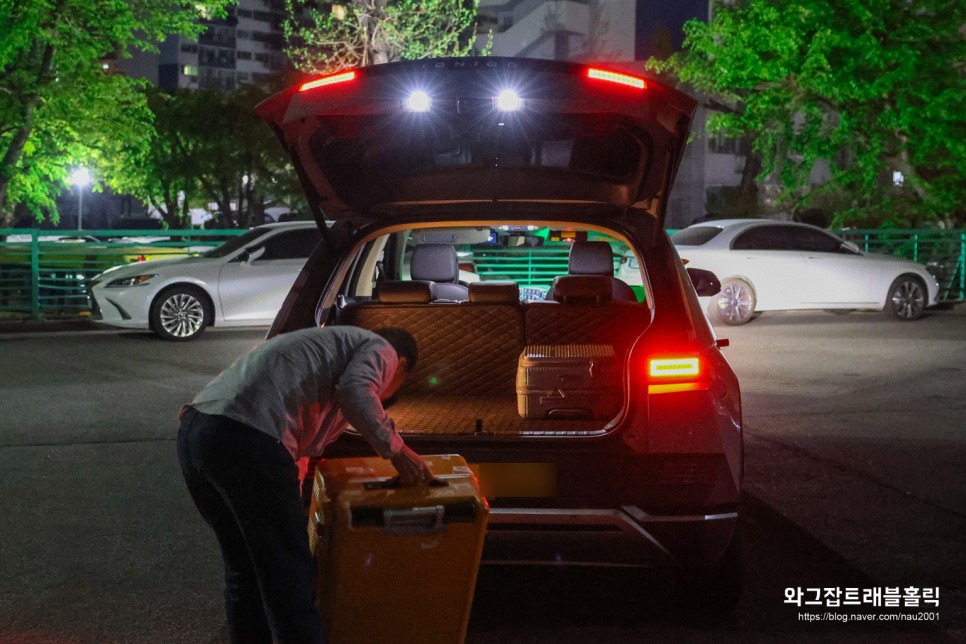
<point>476,415</point>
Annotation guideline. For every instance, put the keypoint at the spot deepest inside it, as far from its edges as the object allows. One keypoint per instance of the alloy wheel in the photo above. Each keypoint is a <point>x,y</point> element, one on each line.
<point>182,315</point>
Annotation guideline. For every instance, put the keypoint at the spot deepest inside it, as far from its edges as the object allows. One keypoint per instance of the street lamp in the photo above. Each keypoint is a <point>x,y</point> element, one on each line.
<point>80,177</point>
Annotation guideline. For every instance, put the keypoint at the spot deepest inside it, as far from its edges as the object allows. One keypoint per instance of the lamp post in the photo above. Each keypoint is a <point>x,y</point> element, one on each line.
<point>80,178</point>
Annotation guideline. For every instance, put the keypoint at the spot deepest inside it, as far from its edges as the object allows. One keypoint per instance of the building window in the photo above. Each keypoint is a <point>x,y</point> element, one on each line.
<point>721,144</point>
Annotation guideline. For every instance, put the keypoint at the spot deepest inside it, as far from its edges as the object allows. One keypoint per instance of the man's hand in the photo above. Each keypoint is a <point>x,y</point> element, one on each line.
<point>411,467</point>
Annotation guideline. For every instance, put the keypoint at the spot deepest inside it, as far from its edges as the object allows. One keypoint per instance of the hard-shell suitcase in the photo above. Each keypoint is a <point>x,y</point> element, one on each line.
<point>396,565</point>
<point>569,382</point>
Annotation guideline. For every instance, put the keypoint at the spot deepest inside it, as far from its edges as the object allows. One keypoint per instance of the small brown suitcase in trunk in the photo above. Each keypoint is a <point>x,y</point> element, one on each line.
<point>569,382</point>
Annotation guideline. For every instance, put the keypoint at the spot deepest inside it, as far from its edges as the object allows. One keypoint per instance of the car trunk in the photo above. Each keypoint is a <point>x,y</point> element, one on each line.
<point>494,365</point>
<point>578,144</point>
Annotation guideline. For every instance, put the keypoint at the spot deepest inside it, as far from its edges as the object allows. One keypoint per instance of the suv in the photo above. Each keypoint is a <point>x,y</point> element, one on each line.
<point>603,421</point>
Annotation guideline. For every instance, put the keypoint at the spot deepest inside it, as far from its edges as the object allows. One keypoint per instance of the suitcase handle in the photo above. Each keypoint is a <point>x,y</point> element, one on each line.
<point>422,520</point>
<point>414,520</point>
<point>394,483</point>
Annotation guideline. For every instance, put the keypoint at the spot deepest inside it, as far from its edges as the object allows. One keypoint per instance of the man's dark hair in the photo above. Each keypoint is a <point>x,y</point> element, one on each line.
<point>402,342</point>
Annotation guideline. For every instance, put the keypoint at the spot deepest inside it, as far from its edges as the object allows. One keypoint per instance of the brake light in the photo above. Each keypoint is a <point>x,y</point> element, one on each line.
<point>614,77</point>
<point>672,375</point>
<point>674,367</point>
<point>328,80</point>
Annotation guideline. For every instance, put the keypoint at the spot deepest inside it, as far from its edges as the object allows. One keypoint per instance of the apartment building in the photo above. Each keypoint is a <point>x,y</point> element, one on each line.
<point>245,47</point>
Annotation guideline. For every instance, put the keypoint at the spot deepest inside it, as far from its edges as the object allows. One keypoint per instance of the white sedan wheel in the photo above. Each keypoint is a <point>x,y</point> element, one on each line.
<point>735,304</point>
<point>907,299</point>
<point>180,313</point>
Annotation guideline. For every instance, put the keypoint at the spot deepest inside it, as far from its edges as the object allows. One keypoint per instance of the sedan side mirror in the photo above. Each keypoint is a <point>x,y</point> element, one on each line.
<point>253,254</point>
<point>850,247</point>
<point>705,282</point>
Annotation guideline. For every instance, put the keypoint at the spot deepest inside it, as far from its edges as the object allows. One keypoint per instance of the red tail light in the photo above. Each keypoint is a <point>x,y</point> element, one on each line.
<point>674,367</point>
<point>675,374</point>
<point>328,80</point>
<point>615,77</point>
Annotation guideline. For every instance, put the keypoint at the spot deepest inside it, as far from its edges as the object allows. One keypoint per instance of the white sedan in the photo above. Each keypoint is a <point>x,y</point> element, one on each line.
<point>767,265</point>
<point>242,282</point>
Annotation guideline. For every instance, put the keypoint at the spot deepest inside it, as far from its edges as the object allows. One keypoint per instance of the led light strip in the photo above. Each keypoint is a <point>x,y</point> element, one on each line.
<point>614,77</point>
<point>673,367</point>
<point>328,80</point>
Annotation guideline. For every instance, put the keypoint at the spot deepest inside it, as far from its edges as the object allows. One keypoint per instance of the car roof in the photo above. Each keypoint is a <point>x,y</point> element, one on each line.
<point>289,224</point>
<point>749,222</point>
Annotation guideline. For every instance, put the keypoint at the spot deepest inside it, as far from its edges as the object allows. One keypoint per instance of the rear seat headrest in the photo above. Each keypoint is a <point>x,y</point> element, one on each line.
<point>435,262</point>
<point>415,292</point>
<point>495,292</point>
<point>591,258</point>
<point>582,289</point>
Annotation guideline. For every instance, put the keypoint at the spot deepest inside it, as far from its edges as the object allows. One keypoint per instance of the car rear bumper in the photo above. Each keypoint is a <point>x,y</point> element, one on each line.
<point>625,537</point>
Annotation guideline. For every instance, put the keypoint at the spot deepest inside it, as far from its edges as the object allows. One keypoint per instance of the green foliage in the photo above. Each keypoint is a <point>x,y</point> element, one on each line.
<point>871,87</point>
<point>59,108</point>
<point>369,32</point>
<point>210,147</point>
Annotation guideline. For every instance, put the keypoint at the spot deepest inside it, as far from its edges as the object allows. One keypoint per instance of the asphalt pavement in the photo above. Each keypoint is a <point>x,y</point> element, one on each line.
<point>854,442</point>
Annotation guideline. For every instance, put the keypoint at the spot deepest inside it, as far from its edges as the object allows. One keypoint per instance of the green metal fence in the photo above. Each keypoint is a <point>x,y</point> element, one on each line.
<point>46,273</point>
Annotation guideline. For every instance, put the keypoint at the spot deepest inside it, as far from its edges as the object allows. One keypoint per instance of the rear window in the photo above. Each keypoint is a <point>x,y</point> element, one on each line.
<point>531,256</point>
<point>695,235</point>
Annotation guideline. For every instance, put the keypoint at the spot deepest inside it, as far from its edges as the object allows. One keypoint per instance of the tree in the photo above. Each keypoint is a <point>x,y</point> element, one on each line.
<point>58,106</point>
<point>210,147</point>
<point>874,88</point>
<point>324,38</point>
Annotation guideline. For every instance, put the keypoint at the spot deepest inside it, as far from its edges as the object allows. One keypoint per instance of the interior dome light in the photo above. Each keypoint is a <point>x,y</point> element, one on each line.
<point>418,101</point>
<point>508,101</point>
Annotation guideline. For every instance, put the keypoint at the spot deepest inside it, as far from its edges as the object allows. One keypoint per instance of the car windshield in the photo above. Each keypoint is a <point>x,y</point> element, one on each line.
<point>235,243</point>
<point>695,235</point>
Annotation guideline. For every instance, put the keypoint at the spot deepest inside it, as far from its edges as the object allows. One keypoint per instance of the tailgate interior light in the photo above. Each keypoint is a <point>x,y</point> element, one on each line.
<point>614,77</point>
<point>508,101</point>
<point>419,101</point>
<point>674,368</point>
<point>328,80</point>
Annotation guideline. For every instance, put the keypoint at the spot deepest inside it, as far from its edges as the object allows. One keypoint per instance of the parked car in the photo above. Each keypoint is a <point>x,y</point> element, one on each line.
<point>633,458</point>
<point>239,283</point>
<point>769,265</point>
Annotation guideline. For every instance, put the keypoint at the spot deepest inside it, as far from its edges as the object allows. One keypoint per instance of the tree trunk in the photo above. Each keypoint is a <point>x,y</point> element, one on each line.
<point>748,188</point>
<point>19,140</point>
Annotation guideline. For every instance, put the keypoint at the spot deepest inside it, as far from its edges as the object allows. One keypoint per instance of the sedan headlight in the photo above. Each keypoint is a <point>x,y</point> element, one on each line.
<point>123,282</point>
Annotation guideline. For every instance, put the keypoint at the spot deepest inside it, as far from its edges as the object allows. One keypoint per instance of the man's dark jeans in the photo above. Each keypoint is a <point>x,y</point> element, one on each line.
<point>245,484</point>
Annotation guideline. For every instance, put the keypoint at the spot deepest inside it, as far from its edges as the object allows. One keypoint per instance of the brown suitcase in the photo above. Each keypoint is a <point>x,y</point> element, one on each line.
<point>569,382</point>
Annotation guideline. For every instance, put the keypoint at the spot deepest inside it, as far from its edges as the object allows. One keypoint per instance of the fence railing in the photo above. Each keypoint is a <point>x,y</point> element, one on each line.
<point>47,273</point>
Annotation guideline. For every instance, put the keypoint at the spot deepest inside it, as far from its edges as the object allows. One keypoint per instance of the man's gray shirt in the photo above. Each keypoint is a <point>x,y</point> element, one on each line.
<point>304,388</point>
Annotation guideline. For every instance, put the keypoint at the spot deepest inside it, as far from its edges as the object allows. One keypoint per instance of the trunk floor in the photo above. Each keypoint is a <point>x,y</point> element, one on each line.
<point>476,415</point>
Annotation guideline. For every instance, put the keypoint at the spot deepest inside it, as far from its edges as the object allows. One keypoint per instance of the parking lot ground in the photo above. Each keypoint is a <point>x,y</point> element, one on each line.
<point>854,478</point>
